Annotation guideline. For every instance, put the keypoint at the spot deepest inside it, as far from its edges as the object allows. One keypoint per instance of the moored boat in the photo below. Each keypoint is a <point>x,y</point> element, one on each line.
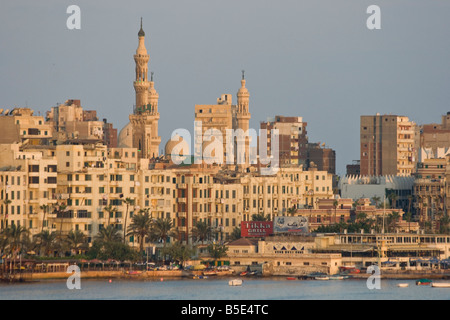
<point>322,278</point>
<point>440,284</point>
<point>291,278</point>
<point>402,285</point>
<point>423,282</point>
<point>336,277</point>
<point>235,282</point>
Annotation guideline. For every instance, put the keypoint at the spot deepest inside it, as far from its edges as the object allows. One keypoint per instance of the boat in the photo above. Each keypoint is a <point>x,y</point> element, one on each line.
<point>440,284</point>
<point>336,277</point>
<point>291,278</point>
<point>322,278</point>
<point>402,285</point>
<point>200,277</point>
<point>210,273</point>
<point>423,282</point>
<point>235,282</point>
<point>243,273</point>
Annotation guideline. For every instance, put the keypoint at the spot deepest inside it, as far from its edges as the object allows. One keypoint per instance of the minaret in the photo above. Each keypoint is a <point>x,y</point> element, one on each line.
<point>243,116</point>
<point>141,83</point>
<point>145,117</point>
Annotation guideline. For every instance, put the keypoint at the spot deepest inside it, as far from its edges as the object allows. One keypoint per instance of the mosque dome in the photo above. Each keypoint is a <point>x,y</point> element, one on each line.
<point>176,148</point>
<point>125,138</point>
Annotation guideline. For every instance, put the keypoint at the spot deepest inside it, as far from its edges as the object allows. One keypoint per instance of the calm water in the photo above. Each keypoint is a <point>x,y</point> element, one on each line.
<point>218,289</point>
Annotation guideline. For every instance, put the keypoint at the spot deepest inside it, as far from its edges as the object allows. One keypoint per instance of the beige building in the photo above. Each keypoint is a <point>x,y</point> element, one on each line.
<point>282,256</point>
<point>221,142</point>
<point>387,144</point>
<point>21,125</point>
<point>71,123</point>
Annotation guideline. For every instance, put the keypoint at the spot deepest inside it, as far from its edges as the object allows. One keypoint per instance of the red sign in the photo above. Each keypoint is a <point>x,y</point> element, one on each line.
<point>256,228</point>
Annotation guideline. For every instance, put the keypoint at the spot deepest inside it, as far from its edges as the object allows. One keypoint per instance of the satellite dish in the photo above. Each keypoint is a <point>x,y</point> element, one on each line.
<point>1,111</point>
<point>6,112</point>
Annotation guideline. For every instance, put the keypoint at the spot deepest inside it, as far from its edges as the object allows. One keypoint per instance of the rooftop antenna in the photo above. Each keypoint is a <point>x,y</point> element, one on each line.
<point>243,76</point>
<point>151,76</point>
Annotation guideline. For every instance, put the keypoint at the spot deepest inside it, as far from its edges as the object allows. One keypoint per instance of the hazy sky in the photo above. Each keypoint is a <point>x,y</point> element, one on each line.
<point>314,59</point>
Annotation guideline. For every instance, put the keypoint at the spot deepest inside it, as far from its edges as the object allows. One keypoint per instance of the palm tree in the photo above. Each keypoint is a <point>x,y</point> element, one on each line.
<point>108,235</point>
<point>44,209</point>
<point>6,202</point>
<point>16,237</point>
<point>76,240</point>
<point>376,199</point>
<point>335,205</point>
<point>393,198</point>
<point>292,210</point>
<point>161,229</point>
<point>201,231</point>
<point>260,217</point>
<point>111,211</point>
<point>60,210</point>
<point>47,240</point>
<point>128,202</point>
<point>140,226</point>
<point>408,217</point>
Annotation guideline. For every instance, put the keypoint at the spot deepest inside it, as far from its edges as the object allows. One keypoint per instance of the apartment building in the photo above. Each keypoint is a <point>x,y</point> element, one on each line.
<point>387,145</point>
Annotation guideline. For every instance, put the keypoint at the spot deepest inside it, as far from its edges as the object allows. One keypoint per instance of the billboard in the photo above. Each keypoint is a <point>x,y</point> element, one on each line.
<point>290,225</point>
<point>256,228</point>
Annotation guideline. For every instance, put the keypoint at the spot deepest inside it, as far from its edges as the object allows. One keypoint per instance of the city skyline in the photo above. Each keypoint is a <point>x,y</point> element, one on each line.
<point>293,55</point>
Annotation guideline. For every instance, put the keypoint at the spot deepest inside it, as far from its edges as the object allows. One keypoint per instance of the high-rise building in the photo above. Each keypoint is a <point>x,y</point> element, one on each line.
<point>387,145</point>
<point>293,142</point>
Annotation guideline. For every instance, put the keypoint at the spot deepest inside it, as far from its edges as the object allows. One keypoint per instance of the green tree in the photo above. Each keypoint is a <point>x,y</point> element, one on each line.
<point>44,209</point>
<point>376,200</point>
<point>128,202</point>
<point>162,228</point>
<point>45,241</point>
<point>111,211</point>
<point>217,251</point>
<point>236,233</point>
<point>140,226</point>
<point>201,231</point>
<point>260,217</point>
<point>179,252</point>
<point>108,235</point>
<point>76,240</point>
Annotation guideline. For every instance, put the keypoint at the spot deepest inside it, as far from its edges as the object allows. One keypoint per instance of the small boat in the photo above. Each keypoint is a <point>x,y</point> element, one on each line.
<point>440,284</point>
<point>210,273</point>
<point>423,282</point>
<point>235,282</point>
<point>336,277</point>
<point>402,285</point>
<point>244,273</point>
<point>322,278</point>
<point>291,278</point>
<point>200,277</point>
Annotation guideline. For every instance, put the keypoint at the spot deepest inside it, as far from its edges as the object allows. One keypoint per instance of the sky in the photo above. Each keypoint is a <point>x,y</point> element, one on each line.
<point>306,58</point>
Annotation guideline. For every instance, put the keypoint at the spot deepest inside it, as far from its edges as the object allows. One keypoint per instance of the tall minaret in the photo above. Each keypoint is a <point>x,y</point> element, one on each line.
<point>145,117</point>
<point>243,115</point>
<point>141,59</point>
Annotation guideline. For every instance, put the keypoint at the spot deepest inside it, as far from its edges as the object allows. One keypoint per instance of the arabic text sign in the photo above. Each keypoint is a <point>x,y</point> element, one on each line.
<point>290,224</point>
<point>256,228</point>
